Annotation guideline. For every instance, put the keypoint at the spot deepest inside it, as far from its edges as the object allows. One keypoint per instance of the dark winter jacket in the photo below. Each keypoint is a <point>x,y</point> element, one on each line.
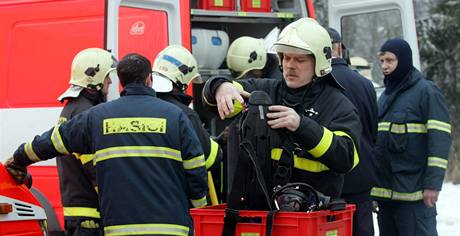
<point>149,162</point>
<point>413,140</point>
<point>361,93</point>
<point>328,132</point>
<point>77,174</point>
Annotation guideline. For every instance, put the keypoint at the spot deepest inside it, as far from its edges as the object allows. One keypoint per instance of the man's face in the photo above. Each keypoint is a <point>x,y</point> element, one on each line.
<point>388,62</point>
<point>298,69</point>
<point>106,84</point>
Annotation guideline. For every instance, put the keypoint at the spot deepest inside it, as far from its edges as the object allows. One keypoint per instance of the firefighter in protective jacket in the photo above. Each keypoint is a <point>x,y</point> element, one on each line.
<point>173,71</point>
<point>412,146</point>
<point>89,84</point>
<point>320,122</point>
<point>149,162</point>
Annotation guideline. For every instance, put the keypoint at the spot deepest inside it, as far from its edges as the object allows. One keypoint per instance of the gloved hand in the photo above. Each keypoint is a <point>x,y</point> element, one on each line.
<point>17,172</point>
<point>89,224</point>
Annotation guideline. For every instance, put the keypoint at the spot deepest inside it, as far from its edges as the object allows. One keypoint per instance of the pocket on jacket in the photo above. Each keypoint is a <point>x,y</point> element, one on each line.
<point>398,137</point>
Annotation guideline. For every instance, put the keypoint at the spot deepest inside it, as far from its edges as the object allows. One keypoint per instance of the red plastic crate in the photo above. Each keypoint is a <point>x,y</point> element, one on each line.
<point>255,5</point>
<point>209,221</point>
<point>219,5</point>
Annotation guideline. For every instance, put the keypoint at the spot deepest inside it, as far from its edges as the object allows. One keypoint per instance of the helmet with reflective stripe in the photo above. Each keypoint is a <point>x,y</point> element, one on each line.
<point>174,64</point>
<point>306,36</point>
<point>246,54</point>
<point>90,67</point>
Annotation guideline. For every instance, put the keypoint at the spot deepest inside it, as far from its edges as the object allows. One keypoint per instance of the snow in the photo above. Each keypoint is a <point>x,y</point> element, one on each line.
<point>448,207</point>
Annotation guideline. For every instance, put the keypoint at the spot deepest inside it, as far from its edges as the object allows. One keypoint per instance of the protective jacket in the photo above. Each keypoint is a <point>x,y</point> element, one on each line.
<point>361,93</point>
<point>413,140</point>
<point>211,149</point>
<point>77,174</point>
<point>326,140</point>
<point>149,162</point>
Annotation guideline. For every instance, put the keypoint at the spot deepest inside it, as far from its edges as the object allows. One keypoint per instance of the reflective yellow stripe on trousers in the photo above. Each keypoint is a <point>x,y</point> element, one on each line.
<point>138,151</point>
<point>146,229</point>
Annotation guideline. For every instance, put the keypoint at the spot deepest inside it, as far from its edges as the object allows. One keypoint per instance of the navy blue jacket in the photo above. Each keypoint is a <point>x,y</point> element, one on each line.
<point>413,140</point>
<point>149,161</point>
<point>361,93</point>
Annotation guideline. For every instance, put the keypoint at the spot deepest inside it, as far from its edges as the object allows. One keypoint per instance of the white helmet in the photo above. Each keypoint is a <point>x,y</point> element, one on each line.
<point>245,54</point>
<point>89,69</point>
<point>306,36</point>
<point>362,66</point>
<point>174,64</point>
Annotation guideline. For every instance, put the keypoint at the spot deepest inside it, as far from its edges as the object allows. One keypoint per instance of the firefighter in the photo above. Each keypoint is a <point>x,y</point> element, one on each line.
<point>413,141</point>
<point>149,162</point>
<point>174,70</point>
<point>320,122</point>
<point>359,181</point>
<point>89,84</point>
<point>246,57</point>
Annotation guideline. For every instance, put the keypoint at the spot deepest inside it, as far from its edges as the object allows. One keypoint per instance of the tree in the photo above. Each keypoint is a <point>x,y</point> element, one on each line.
<point>439,45</point>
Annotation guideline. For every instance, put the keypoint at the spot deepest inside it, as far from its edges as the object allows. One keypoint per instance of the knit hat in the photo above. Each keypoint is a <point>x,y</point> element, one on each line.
<point>403,52</point>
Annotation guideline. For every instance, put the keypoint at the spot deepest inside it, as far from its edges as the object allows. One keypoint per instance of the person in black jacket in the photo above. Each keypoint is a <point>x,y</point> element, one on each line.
<point>149,162</point>
<point>361,93</point>
<point>413,142</point>
<point>320,122</point>
<point>77,174</point>
<point>174,69</point>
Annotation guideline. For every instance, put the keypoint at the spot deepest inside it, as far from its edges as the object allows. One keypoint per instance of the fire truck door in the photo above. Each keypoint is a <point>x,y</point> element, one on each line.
<point>165,22</point>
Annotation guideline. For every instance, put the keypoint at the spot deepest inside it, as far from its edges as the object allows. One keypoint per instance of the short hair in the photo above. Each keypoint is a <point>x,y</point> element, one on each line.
<point>133,68</point>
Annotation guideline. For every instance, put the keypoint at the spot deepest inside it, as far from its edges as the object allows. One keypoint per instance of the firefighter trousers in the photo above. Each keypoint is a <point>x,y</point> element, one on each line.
<point>406,219</point>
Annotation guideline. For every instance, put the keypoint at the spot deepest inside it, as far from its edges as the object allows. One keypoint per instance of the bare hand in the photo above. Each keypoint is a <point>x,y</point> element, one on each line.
<point>225,95</point>
<point>283,117</point>
<point>17,172</point>
<point>430,197</point>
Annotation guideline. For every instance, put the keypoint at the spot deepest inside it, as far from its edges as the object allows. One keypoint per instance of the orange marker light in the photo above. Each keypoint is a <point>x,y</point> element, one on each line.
<point>5,208</point>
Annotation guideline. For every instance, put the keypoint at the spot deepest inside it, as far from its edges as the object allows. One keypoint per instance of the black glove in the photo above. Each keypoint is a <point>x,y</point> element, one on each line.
<point>17,172</point>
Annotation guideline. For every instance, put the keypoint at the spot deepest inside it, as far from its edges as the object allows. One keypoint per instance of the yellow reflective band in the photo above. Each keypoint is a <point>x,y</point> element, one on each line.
<point>401,128</point>
<point>57,141</point>
<point>96,189</point>
<point>138,151</point>
<point>212,154</point>
<point>438,125</point>
<point>390,194</point>
<point>381,192</point>
<point>195,162</point>
<point>85,158</point>
<point>199,202</point>
<point>355,151</point>
<point>437,162</point>
<point>323,144</point>
<point>31,153</point>
<point>146,229</point>
<point>300,162</point>
<point>407,196</point>
<point>82,211</point>
<point>134,125</point>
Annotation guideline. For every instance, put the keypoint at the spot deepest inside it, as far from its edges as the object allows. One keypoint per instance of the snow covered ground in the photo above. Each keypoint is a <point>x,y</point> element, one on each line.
<point>448,207</point>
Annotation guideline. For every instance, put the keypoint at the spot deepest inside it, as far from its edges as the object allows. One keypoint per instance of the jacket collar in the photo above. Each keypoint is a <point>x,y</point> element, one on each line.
<point>339,61</point>
<point>137,89</point>
<point>388,98</point>
<point>177,96</point>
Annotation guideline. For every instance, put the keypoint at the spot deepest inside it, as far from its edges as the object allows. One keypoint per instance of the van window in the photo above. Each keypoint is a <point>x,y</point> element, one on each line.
<point>363,34</point>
